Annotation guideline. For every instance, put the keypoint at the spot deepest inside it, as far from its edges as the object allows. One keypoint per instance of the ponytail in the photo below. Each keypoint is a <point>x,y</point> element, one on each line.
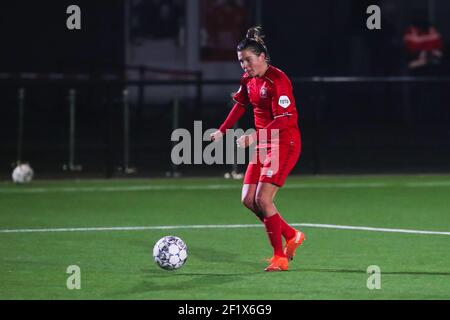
<point>255,34</point>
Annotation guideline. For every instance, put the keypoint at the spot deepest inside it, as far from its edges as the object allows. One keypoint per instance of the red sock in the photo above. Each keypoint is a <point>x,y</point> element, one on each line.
<point>273,229</point>
<point>286,230</point>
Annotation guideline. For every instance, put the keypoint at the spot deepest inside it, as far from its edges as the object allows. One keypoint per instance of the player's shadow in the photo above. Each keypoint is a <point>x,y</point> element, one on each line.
<point>412,273</point>
<point>173,282</point>
<point>157,273</point>
<point>210,254</point>
<point>157,280</point>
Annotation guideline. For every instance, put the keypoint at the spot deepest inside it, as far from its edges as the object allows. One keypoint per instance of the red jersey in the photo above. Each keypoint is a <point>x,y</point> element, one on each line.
<point>272,101</point>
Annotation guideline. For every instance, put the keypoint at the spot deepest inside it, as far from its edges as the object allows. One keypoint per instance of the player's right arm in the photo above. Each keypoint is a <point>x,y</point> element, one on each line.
<point>241,101</point>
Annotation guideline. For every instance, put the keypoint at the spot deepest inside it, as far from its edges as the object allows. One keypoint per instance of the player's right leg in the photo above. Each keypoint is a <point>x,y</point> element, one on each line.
<point>265,194</point>
<point>251,180</point>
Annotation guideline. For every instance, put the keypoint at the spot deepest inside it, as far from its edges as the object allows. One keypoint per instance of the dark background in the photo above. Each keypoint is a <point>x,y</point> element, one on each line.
<point>307,39</point>
<point>36,39</point>
<point>347,127</point>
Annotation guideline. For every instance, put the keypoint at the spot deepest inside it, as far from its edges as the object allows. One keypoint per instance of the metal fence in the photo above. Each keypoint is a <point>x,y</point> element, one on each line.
<point>93,127</point>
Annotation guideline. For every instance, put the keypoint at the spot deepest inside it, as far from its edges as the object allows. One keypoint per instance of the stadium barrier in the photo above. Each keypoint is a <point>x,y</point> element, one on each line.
<point>117,86</point>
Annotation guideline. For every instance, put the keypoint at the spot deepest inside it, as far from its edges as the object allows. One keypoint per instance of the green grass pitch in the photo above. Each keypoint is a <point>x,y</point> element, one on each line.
<point>225,263</point>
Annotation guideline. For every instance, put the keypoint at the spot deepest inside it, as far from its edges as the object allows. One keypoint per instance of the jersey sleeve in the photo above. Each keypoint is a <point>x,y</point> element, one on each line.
<point>234,115</point>
<point>241,96</point>
<point>283,102</point>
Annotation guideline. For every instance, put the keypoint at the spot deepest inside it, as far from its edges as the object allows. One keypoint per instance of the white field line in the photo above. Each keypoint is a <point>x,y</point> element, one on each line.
<point>18,190</point>
<point>220,226</point>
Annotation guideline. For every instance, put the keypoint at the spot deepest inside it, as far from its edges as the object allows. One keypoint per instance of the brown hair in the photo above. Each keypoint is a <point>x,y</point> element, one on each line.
<point>254,42</point>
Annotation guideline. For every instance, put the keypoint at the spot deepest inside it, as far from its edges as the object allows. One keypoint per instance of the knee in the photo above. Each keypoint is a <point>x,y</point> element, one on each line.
<point>248,202</point>
<point>263,203</point>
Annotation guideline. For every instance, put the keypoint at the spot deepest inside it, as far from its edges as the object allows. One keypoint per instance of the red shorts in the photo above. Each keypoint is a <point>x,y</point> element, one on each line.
<point>273,165</point>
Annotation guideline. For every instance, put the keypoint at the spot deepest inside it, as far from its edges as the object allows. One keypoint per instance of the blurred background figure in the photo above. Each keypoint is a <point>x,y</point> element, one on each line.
<point>423,42</point>
<point>223,22</point>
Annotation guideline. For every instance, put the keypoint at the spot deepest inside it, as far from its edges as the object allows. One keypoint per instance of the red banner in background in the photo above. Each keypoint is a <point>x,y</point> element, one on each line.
<point>223,25</point>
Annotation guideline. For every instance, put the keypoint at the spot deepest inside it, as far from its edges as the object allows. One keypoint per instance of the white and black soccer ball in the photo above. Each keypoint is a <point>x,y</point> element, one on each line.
<point>170,253</point>
<point>23,173</point>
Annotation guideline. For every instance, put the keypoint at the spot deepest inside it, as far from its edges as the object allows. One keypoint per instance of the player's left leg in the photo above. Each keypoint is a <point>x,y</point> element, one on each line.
<point>251,180</point>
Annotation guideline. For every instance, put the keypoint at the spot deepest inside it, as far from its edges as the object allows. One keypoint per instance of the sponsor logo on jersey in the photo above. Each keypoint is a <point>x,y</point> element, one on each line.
<point>284,101</point>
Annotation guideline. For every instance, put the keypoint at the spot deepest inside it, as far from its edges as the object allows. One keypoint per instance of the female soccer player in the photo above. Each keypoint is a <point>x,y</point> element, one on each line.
<point>269,91</point>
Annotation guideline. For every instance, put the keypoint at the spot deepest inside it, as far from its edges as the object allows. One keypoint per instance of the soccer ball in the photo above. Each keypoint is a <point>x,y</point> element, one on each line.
<point>170,253</point>
<point>23,173</point>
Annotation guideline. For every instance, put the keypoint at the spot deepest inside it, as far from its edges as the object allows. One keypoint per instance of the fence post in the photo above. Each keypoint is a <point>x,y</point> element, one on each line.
<point>109,151</point>
<point>21,101</point>
<point>141,92</point>
<point>126,134</point>
<point>234,174</point>
<point>72,102</point>
<point>175,124</point>
<point>318,99</point>
<point>72,131</point>
<point>199,87</point>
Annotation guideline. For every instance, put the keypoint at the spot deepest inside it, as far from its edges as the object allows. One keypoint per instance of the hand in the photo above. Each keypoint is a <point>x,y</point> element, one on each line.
<point>244,141</point>
<point>216,136</point>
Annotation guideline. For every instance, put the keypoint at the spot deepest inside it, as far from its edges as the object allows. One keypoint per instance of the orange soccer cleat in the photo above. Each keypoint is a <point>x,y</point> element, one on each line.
<point>278,264</point>
<point>293,243</point>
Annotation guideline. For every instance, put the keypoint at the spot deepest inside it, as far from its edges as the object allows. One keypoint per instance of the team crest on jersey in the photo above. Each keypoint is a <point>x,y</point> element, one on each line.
<point>263,92</point>
<point>284,101</point>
